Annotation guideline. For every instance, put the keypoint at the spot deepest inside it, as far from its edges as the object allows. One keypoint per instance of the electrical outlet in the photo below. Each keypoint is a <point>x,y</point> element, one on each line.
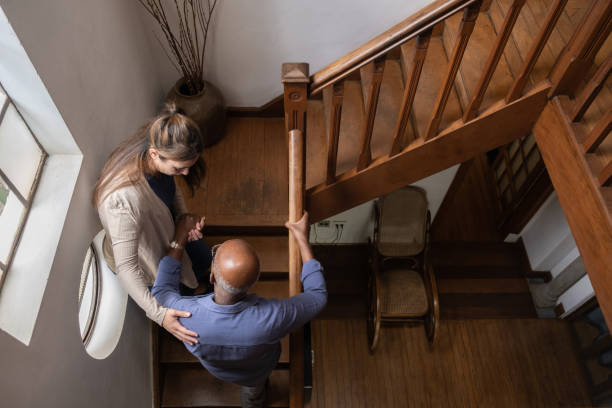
<point>338,224</point>
<point>323,224</point>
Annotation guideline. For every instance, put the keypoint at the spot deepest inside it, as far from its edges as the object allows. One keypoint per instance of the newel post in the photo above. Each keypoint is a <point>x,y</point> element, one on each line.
<point>295,80</point>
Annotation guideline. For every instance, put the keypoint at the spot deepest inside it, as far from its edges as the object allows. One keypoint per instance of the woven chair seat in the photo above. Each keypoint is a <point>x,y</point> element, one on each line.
<point>403,292</point>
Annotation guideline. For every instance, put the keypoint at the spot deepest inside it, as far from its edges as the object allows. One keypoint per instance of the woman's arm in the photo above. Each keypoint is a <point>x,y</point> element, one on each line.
<point>124,233</point>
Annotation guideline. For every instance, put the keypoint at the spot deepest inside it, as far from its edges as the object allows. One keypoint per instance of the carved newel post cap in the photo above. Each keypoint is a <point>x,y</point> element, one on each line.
<point>295,72</point>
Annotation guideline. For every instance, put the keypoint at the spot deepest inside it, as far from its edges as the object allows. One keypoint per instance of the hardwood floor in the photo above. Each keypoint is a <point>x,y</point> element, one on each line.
<point>477,363</point>
<point>246,182</point>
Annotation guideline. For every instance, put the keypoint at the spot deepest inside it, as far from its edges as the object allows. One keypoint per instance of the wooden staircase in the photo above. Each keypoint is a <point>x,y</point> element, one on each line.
<point>482,280</point>
<point>457,79</point>
<point>183,380</point>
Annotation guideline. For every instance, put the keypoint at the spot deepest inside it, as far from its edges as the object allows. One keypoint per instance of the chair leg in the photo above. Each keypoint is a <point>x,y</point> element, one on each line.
<point>373,325</point>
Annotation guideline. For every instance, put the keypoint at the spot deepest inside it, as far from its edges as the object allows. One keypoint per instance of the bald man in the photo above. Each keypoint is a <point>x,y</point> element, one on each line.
<point>239,333</point>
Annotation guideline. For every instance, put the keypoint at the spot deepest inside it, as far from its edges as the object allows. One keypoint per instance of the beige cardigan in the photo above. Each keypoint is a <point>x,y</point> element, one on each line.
<point>139,228</point>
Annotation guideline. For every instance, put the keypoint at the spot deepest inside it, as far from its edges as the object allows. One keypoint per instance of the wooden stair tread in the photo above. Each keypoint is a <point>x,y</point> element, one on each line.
<point>173,351</point>
<point>273,251</point>
<point>474,61</point>
<point>196,387</point>
<point>246,180</point>
<point>389,101</point>
<point>483,285</point>
<point>481,254</point>
<point>434,71</point>
<point>278,289</point>
<point>486,306</point>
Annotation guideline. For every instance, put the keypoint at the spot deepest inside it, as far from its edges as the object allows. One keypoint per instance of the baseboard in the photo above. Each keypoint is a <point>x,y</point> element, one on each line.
<point>273,109</point>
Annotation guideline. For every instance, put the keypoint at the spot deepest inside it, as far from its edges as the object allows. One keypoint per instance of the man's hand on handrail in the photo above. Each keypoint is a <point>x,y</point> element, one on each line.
<point>299,230</point>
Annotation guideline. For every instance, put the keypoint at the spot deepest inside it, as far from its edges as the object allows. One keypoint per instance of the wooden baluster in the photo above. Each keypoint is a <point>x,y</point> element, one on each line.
<point>578,56</point>
<point>420,52</point>
<point>496,53</point>
<point>516,90</point>
<point>599,133</point>
<point>605,177</point>
<point>590,91</point>
<point>295,80</point>
<point>365,156</point>
<point>470,14</point>
<point>334,130</point>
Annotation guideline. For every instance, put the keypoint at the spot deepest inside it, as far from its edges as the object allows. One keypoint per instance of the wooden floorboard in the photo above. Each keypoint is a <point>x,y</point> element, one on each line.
<point>246,183</point>
<point>484,363</point>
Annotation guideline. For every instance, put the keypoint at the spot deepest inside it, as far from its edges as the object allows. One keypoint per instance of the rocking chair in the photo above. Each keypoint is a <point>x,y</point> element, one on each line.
<point>402,286</point>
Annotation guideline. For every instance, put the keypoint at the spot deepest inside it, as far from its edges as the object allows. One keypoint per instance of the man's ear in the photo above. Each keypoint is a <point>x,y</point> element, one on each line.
<point>153,153</point>
<point>212,278</point>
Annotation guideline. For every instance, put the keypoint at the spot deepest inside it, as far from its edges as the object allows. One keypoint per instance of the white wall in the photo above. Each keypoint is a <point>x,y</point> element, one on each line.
<point>551,247</point>
<point>358,222</point>
<point>249,40</point>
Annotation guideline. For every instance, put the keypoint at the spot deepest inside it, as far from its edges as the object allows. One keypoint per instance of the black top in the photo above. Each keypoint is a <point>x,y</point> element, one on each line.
<point>164,187</point>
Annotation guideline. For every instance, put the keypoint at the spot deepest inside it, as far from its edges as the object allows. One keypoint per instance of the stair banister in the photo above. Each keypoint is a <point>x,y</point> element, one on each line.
<point>409,28</point>
<point>295,80</point>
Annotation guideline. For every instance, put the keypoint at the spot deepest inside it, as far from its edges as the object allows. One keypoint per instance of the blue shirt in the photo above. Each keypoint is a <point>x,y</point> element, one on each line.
<point>240,343</point>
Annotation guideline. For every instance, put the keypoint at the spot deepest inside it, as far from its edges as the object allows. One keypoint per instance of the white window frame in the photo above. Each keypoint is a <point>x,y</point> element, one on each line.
<point>25,201</point>
<point>24,285</point>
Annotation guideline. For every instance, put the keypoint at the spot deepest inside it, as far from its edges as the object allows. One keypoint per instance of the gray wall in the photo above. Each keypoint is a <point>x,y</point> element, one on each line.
<point>95,61</point>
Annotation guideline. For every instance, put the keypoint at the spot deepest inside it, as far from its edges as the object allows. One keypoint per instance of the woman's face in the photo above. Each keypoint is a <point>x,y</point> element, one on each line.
<point>170,167</point>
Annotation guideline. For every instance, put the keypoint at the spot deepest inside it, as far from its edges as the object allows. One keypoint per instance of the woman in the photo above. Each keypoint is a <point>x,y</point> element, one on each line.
<point>138,203</point>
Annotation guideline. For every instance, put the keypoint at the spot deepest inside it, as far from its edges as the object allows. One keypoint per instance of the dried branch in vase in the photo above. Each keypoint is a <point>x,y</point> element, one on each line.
<point>187,38</point>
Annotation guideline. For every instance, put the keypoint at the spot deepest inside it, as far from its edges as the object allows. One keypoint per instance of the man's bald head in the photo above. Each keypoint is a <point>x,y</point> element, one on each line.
<point>235,266</point>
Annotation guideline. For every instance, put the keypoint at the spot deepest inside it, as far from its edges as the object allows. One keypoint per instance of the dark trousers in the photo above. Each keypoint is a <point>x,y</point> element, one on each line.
<point>253,397</point>
<point>201,258</point>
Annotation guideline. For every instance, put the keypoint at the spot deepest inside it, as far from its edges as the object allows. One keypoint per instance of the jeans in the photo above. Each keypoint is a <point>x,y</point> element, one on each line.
<point>201,258</point>
<point>253,397</point>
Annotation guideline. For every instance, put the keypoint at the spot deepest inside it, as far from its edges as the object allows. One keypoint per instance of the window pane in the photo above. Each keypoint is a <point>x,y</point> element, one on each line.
<point>19,154</point>
<point>12,211</point>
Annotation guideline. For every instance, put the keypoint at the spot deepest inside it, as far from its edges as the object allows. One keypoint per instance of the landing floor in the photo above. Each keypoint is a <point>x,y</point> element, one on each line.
<point>477,363</point>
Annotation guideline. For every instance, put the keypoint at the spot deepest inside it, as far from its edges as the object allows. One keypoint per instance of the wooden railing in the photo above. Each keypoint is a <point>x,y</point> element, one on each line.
<point>577,151</point>
<point>295,80</point>
<point>527,103</point>
<point>521,183</point>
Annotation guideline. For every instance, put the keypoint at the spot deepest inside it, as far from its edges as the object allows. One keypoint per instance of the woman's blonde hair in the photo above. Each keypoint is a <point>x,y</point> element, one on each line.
<point>172,134</point>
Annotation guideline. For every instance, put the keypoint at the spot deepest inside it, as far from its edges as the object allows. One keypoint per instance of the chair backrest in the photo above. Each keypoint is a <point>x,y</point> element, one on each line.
<point>402,222</point>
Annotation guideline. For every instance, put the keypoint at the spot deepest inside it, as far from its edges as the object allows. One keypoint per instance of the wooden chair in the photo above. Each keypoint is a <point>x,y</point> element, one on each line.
<point>402,286</point>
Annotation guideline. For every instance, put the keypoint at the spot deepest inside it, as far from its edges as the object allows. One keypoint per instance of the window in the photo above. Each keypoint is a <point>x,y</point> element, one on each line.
<point>89,294</point>
<point>21,161</point>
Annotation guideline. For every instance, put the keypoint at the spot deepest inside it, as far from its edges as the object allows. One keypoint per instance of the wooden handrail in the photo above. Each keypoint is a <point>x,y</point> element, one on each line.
<point>296,209</point>
<point>390,39</point>
<point>295,80</point>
